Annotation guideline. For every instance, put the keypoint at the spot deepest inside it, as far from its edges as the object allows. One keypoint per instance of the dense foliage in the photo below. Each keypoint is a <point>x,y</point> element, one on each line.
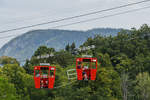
<point>123,70</point>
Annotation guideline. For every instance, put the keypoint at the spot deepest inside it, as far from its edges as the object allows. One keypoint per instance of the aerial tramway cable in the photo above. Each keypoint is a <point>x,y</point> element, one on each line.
<point>73,17</point>
<point>93,19</point>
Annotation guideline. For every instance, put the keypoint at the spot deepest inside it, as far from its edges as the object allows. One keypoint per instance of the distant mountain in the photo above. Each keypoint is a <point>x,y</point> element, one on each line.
<point>24,46</point>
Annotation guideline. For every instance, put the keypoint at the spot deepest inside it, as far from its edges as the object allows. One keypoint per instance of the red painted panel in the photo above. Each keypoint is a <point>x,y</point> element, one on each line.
<point>79,74</point>
<point>37,82</point>
<point>36,78</point>
<point>51,77</point>
<point>93,74</point>
<point>51,82</point>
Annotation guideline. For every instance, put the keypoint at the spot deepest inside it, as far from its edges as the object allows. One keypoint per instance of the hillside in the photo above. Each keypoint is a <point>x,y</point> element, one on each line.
<point>24,46</point>
<point>122,71</point>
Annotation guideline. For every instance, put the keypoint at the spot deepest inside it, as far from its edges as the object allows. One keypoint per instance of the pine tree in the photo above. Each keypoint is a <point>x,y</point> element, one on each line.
<point>67,48</point>
<point>73,46</point>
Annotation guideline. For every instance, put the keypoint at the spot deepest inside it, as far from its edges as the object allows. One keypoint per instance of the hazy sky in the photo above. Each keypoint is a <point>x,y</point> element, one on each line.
<point>17,13</point>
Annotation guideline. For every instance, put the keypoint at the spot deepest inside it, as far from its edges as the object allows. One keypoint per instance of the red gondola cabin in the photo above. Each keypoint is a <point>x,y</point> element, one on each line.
<point>86,68</point>
<point>44,76</point>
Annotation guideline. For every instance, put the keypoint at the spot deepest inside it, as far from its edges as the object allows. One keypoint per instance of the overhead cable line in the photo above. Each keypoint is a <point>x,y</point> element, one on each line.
<point>73,17</point>
<point>27,19</point>
<point>97,18</point>
<point>93,19</point>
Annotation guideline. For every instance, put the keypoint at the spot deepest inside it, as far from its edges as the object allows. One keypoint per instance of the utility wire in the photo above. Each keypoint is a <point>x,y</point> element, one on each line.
<point>26,19</point>
<point>73,17</point>
<point>93,19</point>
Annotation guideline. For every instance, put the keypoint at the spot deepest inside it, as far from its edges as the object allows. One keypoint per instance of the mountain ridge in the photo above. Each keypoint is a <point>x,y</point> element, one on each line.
<point>24,45</point>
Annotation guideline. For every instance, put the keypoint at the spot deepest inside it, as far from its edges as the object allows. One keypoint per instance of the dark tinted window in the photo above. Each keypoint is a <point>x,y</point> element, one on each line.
<point>86,60</point>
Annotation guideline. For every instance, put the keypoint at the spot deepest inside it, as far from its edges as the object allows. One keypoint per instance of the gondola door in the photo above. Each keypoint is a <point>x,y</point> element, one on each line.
<point>51,77</point>
<point>93,68</point>
<point>37,76</point>
<point>79,69</point>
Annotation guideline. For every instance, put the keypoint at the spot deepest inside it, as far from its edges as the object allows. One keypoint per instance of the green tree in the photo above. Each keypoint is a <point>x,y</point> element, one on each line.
<point>64,58</point>
<point>28,67</point>
<point>15,75</point>
<point>7,90</point>
<point>41,51</point>
<point>143,86</point>
<point>72,47</point>
<point>8,60</point>
<point>67,48</point>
